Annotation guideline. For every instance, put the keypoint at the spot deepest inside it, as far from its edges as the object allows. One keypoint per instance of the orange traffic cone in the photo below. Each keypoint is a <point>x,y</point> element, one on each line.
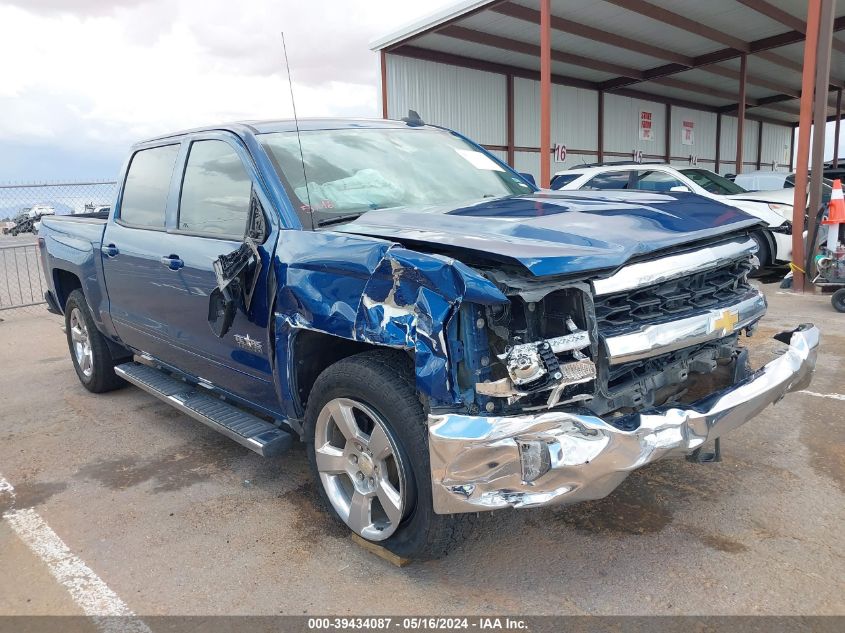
<point>835,215</point>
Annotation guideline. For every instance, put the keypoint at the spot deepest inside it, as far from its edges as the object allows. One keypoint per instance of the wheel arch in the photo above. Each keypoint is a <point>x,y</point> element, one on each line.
<point>313,352</point>
<point>771,248</point>
<point>65,282</point>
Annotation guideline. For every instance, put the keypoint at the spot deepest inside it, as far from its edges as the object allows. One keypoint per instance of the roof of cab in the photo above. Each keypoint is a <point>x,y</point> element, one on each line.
<point>284,125</point>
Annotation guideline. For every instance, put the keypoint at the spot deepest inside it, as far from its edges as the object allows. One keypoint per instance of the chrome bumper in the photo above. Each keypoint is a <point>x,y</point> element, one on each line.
<point>485,463</point>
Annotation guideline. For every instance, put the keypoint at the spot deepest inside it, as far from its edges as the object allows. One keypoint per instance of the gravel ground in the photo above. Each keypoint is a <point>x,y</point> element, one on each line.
<point>178,520</point>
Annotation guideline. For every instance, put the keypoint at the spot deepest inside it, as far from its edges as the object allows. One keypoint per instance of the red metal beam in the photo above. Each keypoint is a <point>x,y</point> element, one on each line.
<point>450,59</point>
<point>785,18</point>
<point>689,86</point>
<point>792,147</point>
<point>526,48</point>
<point>802,163</point>
<point>545,93</point>
<point>775,13</point>
<point>718,141</point>
<point>383,56</point>
<point>528,14</point>
<point>823,53</point>
<point>740,114</point>
<point>600,135</point>
<point>754,80</point>
<point>511,116</point>
<point>681,22</point>
<point>760,47</point>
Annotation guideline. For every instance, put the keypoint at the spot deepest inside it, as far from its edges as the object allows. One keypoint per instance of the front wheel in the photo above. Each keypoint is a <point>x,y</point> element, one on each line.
<point>368,448</point>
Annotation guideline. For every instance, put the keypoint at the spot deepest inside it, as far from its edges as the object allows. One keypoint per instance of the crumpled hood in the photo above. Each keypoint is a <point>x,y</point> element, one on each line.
<point>558,233</point>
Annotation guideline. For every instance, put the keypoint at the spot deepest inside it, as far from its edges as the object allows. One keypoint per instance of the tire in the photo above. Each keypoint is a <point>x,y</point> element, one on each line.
<point>838,300</point>
<point>378,384</point>
<point>89,351</point>
<point>763,254</point>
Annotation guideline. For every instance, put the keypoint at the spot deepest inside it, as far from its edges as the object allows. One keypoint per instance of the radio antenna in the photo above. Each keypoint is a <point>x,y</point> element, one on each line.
<point>298,137</point>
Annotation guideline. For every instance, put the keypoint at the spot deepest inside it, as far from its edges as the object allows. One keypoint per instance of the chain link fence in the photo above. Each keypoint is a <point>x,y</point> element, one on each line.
<point>22,283</point>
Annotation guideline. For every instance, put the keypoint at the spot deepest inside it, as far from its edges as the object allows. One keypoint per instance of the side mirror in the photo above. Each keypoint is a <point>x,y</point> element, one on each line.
<point>680,189</point>
<point>528,177</point>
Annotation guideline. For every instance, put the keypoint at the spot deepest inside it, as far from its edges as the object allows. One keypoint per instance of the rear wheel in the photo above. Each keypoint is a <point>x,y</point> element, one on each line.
<point>89,351</point>
<point>368,448</point>
<point>838,300</point>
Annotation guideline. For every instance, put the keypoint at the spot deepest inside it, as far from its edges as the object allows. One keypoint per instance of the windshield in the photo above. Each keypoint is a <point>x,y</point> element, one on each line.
<point>712,182</point>
<point>350,171</point>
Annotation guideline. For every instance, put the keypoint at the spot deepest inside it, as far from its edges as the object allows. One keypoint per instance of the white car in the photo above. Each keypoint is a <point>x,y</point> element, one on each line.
<point>39,210</point>
<point>773,207</point>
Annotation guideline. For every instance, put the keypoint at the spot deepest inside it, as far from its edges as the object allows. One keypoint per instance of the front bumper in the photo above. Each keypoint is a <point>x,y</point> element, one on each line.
<point>485,463</point>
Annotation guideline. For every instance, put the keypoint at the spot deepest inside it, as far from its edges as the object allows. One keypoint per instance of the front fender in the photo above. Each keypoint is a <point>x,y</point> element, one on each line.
<point>374,292</point>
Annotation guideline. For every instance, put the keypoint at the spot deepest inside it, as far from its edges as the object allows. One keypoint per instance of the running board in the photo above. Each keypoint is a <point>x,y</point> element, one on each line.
<point>246,429</point>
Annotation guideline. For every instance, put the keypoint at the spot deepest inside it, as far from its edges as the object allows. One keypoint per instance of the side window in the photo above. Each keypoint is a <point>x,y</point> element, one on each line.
<point>145,191</point>
<point>561,180</point>
<point>609,180</point>
<point>656,181</point>
<point>215,192</point>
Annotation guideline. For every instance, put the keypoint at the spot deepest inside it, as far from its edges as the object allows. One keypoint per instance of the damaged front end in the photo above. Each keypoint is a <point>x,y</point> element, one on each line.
<point>572,384</point>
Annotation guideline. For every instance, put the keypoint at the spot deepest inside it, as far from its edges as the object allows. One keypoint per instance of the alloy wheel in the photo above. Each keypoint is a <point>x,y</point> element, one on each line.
<point>360,468</point>
<point>81,343</point>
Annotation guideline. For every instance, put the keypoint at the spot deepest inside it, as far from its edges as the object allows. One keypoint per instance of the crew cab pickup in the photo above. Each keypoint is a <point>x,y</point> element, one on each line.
<point>444,337</point>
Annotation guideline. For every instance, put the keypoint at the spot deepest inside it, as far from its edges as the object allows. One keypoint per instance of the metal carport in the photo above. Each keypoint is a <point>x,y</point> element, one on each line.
<point>731,72</point>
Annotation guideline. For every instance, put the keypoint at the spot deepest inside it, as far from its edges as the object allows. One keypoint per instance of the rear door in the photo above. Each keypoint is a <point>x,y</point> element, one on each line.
<point>131,249</point>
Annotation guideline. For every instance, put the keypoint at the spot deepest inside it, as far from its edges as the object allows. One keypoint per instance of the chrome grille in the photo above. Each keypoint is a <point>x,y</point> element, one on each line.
<point>673,299</point>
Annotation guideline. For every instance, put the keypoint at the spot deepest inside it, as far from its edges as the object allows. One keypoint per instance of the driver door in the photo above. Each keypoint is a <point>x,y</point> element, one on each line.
<point>216,194</point>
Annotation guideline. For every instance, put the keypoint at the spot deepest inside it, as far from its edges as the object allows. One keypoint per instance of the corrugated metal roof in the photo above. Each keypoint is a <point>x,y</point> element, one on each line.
<point>633,37</point>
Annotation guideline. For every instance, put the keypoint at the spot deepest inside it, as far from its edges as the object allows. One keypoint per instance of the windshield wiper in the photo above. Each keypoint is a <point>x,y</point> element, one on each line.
<point>338,219</point>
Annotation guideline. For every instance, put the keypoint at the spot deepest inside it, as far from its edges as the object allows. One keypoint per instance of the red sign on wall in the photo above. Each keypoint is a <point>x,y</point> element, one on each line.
<point>646,129</point>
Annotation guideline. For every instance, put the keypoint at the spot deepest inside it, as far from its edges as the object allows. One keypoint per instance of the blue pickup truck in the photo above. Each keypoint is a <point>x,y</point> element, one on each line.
<point>444,337</point>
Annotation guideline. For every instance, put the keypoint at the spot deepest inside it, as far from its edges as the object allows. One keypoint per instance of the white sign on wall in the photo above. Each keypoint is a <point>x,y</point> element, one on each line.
<point>560,153</point>
<point>688,132</point>
<point>638,155</point>
<point>646,129</point>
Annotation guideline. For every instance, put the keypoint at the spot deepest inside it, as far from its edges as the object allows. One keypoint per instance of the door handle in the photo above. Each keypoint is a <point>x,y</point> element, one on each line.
<point>173,262</point>
<point>109,250</point>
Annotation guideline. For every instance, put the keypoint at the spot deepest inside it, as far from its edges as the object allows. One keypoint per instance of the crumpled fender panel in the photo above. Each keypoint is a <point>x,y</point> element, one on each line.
<point>375,292</point>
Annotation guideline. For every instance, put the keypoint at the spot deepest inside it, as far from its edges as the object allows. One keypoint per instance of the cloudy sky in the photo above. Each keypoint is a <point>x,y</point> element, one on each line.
<point>83,79</point>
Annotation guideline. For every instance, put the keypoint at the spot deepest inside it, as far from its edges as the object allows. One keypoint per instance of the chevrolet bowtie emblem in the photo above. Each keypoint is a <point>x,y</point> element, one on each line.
<point>726,321</point>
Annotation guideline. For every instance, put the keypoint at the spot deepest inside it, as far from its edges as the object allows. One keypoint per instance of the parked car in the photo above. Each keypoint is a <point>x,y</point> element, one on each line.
<point>444,337</point>
<point>38,210</point>
<point>774,240</point>
<point>763,180</point>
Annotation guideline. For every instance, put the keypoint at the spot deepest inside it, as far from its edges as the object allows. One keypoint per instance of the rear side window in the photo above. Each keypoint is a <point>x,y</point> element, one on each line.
<point>609,180</point>
<point>144,199</point>
<point>561,180</point>
<point>215,192</point>
<point>654,180</point>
